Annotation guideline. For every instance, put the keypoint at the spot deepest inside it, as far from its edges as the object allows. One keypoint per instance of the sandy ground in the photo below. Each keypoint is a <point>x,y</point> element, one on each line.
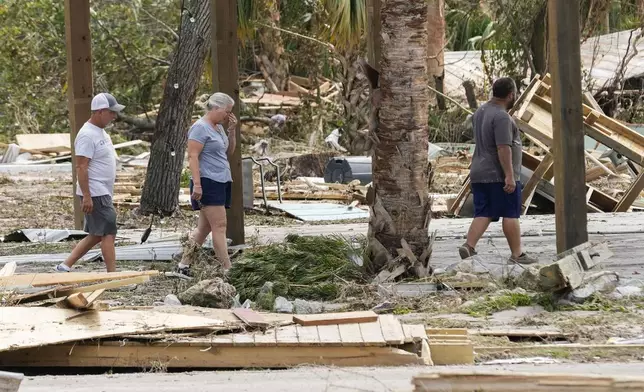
<point>313,379</point>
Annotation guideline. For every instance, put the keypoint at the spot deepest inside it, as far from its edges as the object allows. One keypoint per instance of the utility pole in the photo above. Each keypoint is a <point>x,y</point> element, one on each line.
<point>79,79</point>
<point>567,124</point>
<point>225,75</point>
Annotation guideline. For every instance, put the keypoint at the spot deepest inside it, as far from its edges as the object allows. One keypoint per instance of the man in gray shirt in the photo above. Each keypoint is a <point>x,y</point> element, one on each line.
<point>496,172</point>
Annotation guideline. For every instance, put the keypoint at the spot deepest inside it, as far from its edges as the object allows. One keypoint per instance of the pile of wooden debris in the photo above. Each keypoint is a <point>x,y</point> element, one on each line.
<point>56,320</point>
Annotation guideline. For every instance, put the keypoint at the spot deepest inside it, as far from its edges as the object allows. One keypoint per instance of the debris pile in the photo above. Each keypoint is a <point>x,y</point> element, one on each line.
<point>532,114</point>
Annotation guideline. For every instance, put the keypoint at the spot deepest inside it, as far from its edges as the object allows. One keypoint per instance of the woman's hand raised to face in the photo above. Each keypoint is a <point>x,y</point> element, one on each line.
<point>232,121</point>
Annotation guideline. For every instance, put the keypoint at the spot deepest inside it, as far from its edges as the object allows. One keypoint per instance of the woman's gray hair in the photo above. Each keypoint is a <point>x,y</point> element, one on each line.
<point>219,101</point>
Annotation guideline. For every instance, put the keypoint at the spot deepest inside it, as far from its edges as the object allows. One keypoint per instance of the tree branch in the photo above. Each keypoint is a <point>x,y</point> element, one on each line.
<point>168,28</point>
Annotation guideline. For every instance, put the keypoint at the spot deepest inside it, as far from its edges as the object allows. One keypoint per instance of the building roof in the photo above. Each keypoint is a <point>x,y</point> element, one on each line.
<point>601,57</point>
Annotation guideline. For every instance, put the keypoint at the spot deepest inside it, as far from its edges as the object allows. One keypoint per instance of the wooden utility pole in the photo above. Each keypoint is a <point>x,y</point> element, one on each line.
<point>373,32</point>
<point>225,79</point>
<point>567,124</point>
<point>79,79</point>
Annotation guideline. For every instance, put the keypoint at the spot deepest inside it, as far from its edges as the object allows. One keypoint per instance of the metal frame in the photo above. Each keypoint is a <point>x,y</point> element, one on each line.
<point>261,178</point>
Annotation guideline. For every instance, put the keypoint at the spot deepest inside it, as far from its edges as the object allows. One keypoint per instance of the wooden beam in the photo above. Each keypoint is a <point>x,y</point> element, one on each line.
<point>533,182</point>
<point>224,79</point>
<point>631,194</point>
<point>79,79</point>
<point>567,124</point>
<point>373,32</point>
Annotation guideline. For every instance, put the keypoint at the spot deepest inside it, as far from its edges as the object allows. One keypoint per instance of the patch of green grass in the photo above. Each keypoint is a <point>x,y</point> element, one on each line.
<point>492,304</point>
<point>185,178</point>
<point>313,268</point>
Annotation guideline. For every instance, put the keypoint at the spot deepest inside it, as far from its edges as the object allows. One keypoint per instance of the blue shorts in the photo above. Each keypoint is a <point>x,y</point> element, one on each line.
<point>491,201</point>
<point>214,194</point>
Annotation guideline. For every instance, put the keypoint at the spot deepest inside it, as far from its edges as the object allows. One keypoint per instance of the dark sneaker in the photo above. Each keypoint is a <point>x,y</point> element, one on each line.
<point>184,271</point>
<point>523,259</point>
<point>466,251</point>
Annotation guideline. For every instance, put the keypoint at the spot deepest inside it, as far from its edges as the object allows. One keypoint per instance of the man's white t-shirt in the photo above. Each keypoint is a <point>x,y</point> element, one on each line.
<point>94,143</point>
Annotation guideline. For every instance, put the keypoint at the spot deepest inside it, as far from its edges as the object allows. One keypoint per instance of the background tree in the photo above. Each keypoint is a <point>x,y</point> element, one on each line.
<point>162,182</point>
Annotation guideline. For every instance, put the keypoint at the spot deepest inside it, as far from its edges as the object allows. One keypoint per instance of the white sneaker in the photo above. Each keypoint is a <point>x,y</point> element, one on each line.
<point>62,268</point>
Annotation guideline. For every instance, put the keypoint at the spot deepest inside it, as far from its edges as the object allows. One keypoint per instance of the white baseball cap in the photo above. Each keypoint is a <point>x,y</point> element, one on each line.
<point>106,101</point>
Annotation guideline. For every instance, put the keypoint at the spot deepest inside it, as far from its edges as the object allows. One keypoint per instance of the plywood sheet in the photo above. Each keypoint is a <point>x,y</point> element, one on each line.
<point>250,317</point>
<point>391,328</point>
<point>335,318</point>
<point>45,142</point>
<point>22,327</point>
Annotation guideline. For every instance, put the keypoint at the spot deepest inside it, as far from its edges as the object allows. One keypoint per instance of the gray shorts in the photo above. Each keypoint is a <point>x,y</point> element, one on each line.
<point>102,220</point>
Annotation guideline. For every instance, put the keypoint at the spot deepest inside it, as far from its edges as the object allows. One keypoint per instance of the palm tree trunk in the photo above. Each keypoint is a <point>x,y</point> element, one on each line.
<point>161,189</point>
<point>436,47</point>
<point>401,208</point>
<point>271,59</point>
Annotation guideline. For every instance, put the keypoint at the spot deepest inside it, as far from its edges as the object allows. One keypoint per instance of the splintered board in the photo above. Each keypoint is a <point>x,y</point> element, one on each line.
<point>335,318</point>
<point>38,280</point>
<point>487,381</point>
<point>34,327</point>
<point>49,142</point>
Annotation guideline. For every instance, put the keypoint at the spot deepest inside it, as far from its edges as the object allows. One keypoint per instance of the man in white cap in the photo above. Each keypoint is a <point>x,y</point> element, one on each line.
<point>96,173</point>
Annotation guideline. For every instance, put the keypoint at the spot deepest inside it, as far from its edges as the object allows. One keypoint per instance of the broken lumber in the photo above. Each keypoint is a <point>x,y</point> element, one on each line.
<point>44,279</point>
<point>64,291</point>
<point>504,381</point>
<point>82,301</point>
<point>22,327</point>
<point>570,269</point>
<point>450,346</point>
<point>250,317</point>
<point>335,318</point>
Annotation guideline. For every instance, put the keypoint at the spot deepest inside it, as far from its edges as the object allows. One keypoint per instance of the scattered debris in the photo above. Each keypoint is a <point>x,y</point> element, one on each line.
<point>212,293</point>
<point>44,235</point>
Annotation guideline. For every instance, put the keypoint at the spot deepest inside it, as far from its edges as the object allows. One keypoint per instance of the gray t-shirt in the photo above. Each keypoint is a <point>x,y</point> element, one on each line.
<point>493,127</point>
<point>213,160</point>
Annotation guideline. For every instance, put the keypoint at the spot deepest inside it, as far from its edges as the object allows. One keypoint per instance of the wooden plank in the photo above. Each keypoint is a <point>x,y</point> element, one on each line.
<point>64,291</point>
<point>34,327</point>
<point>78,44</point>
<point>330,335</point>
<point>505,381</point>
<point>350,335</point>
<point>308,335</point>
<point>93,296</point>
<point>10,382</point>
<point>451,352</point>
<point>206,355</point>
<point>268,338</point>
<point>447,331</point>
<point>286,336</point>
<point>632,194</point>
<point>531,186</point>
<point>391,329</point>
<point>372,334</point>
<point>243,339</point>
<point>250,317</point>
<point>567,123</point>
<point>335,318</point>
<point>414,333</point>
<point>43,279</point>
<point>9,269</point>
<point>76,301</point>
<point>225,79</point>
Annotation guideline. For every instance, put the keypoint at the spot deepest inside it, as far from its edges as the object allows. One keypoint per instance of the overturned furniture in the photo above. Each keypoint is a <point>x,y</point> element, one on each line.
<point>532,114</point>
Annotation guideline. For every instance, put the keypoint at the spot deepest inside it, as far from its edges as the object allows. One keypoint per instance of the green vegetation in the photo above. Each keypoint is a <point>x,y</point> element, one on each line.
<point>313,268</point>
<point>495,303</point>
